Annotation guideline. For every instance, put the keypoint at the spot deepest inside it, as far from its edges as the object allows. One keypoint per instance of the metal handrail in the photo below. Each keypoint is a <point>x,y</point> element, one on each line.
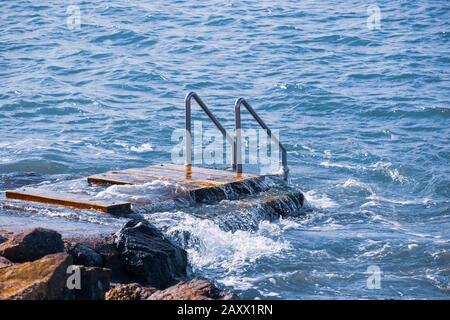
<point>188,139</point>
<point>237,149</point>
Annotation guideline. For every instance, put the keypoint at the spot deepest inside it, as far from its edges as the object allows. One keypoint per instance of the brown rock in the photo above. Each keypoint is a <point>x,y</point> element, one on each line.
<point>196,289</point>
<point>32,245</point>
<point>90,241</point>
<point>5,262</point>
<point>43,279</point>
<point>131,291</point>
<point>94,283</point>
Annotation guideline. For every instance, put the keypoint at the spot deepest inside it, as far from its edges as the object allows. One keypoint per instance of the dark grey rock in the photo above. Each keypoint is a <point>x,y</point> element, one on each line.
<point>83,255</point>
<point>112,260</point>
<point>95,282</point>
<point>149,257</point>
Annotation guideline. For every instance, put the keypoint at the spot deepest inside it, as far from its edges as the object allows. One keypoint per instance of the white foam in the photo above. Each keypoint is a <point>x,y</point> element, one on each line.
<point>269,294</point>
<point>308,148</point>
<point>214,248</point>
<point>349,183</point>
<point>269,229</point>
<point>377,252</point>
<point>319,201</point>
<point>377,199</point>
<point>387,168</point>
<point>136,192</point>
<point>246,283</point>
<point>337,165</point>
<point>146,147</point>
<point>354,185</point>
<point>288,224</point>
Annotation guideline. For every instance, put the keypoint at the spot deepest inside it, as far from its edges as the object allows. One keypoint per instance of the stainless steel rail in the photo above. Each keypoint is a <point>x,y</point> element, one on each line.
<point>237,149</point>
<point>188,138</point>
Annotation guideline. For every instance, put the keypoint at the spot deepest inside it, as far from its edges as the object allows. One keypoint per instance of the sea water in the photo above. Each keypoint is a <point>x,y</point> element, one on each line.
<point>358,90</point>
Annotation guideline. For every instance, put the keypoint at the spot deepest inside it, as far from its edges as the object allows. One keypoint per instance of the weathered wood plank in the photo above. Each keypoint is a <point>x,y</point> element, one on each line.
<point>203,185</point>
<point>69,200</point>
<point>192,177</point>
<point>207,171</point>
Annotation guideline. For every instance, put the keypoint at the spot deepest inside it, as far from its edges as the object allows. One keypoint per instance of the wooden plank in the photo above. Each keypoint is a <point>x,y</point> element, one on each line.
<point>175,175</point>
<point>115,178</point>
<point>204,185</point>
<point>193,177</point>
<point>208,171</point>
<point>163,173</point>
<point>69,200</point>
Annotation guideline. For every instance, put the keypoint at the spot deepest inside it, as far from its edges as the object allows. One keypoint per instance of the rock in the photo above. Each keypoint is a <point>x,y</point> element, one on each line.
<point>131,291</point>
<point>106,248</point>
<point>5,235</point>
<point>5,262</point>
<point>2,239</point>
<point>111,259</point>
<point>32,245</point>
<point>83,255</point>
<point>43,279</point>
<point>149,257</point>
<point>196,289</point>
<point>94,283</point>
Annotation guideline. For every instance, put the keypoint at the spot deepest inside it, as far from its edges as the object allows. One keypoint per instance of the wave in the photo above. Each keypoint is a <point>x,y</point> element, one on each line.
<point>339,165</point>
<point>211,248</point>
<point>155,195</point>
<point>385,168</point>
<point>319,201</point>
<point>377,199</point>
<point>357,188</point>
<point>350,183</point>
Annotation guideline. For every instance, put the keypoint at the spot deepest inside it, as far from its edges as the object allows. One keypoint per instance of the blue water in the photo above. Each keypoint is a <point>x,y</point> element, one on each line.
<point>364,113</point>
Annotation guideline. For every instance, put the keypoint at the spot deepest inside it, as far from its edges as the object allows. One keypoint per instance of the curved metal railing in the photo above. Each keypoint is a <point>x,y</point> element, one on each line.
<point>188,138</point>
<point>237,148</point>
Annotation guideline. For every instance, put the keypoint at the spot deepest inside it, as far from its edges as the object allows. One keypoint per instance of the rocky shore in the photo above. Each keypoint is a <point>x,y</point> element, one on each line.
<point>136,263</point>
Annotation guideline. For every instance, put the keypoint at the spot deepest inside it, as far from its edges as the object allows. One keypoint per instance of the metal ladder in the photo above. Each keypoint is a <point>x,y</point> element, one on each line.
<point>235,142</point>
